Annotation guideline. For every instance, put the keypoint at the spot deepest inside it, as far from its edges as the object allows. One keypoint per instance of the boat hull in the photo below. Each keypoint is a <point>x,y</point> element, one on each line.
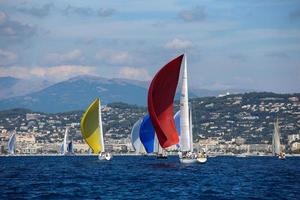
<point>201,160</point>
<point>188,160</point>
<point>106,156</point>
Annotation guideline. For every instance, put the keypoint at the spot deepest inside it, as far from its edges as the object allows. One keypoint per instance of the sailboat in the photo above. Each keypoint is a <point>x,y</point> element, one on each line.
<point>63,148</point>
<point>91,130</point>
<point>11,144</point>
<point>144,139</point>
<point>186,154</point>
<point>276,142</point>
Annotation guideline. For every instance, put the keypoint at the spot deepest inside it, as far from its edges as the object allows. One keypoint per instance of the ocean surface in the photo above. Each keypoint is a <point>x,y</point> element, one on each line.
<point>145,177</point>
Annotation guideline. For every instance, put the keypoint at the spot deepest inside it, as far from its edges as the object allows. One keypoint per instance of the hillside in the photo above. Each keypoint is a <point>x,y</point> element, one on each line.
<point>250,116</point>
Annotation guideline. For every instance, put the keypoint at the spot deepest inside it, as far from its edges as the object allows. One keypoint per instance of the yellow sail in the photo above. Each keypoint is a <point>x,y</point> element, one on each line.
<point>91,127</point>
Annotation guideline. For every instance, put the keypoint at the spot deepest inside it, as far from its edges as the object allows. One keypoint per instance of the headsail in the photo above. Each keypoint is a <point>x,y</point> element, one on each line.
<point>185,138</point>
<point>91,127</point>
<point>147,134</point>
<point>11,143</point>
<point>135,136</point>
<point>160,102</point>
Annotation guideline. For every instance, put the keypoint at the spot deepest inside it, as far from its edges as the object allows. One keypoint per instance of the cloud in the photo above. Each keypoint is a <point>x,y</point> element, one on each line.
<point>238,57</point>
<point>194,14</point>
<point>37,11</point>
<point>105,12</point>
<point>86,11</point>
<point>78,10</point>
<point>54,73</point>
<point>294,14</point>
<point>114,57</point>
<point>134,73</point>
<point>7,57</point>
<point>13,31</point>
<point>178,43</point>
<point>3,17</point>
<point>70,56</point>
<point>277,55</point>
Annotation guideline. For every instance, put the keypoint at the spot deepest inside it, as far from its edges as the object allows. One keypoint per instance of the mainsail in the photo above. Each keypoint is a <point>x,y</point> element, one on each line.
<point>160,102</point>
<point>185,138</point>
<point>276,139</point>
<point>11,143</point>
<point>91,127</point>
<point>64,144</point>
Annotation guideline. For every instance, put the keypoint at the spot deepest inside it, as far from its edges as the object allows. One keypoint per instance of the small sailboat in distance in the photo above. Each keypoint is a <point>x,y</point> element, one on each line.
<point>91,129</point>
<point>63,148</point>
<point>11,143</point>
<point>276,142</point>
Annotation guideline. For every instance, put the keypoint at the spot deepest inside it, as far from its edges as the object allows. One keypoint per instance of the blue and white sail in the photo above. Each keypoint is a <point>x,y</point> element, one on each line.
<point>11,143</point>
<point>143,137</point>
<point>147,134</point>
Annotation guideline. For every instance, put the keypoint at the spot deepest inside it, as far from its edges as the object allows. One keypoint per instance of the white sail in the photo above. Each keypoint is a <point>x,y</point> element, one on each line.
<point>185,140</point>
<point>101,130</point>
<point>64,145</point>
<point>11,143</point>
<point>276,139</point>
<point>135,137</point>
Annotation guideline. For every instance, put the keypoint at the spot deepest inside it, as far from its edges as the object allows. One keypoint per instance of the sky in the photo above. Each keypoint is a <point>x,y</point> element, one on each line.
<point>233,44</point>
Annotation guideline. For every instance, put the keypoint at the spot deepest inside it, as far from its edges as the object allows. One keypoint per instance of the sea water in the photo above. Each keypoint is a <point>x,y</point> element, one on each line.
<point>145,177</point>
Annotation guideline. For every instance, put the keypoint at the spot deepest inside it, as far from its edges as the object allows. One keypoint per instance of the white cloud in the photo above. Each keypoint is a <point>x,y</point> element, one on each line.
<point>2,17</point>
<point>7,57</point>
<point>114,57</point>
<point>195,14</point>
<point>178,43</point>
<point>73,55</point>
<point>134,73</point>
<point>54,73</point>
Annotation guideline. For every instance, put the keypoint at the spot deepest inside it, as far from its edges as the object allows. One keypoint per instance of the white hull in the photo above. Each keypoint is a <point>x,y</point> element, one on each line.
<point>202,160</point>
<point>188,160</point>
<point>106,156</point>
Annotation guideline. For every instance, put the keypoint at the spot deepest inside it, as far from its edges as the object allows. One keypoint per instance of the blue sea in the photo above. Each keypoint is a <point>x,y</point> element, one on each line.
<point>142,177</point>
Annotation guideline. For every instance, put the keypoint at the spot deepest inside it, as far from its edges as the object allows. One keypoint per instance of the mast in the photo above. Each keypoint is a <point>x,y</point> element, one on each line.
<point>101,130</point>
<point>185,137</point>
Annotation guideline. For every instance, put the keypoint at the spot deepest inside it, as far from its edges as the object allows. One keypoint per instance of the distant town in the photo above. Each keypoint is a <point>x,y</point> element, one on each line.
<point>227,124</point>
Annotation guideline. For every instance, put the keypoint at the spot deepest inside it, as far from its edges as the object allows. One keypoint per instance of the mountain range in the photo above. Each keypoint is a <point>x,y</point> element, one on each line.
<point>78,92</point>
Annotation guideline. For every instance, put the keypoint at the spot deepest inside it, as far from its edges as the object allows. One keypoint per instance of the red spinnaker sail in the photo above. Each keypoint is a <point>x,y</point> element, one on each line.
<point>160,102</point>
